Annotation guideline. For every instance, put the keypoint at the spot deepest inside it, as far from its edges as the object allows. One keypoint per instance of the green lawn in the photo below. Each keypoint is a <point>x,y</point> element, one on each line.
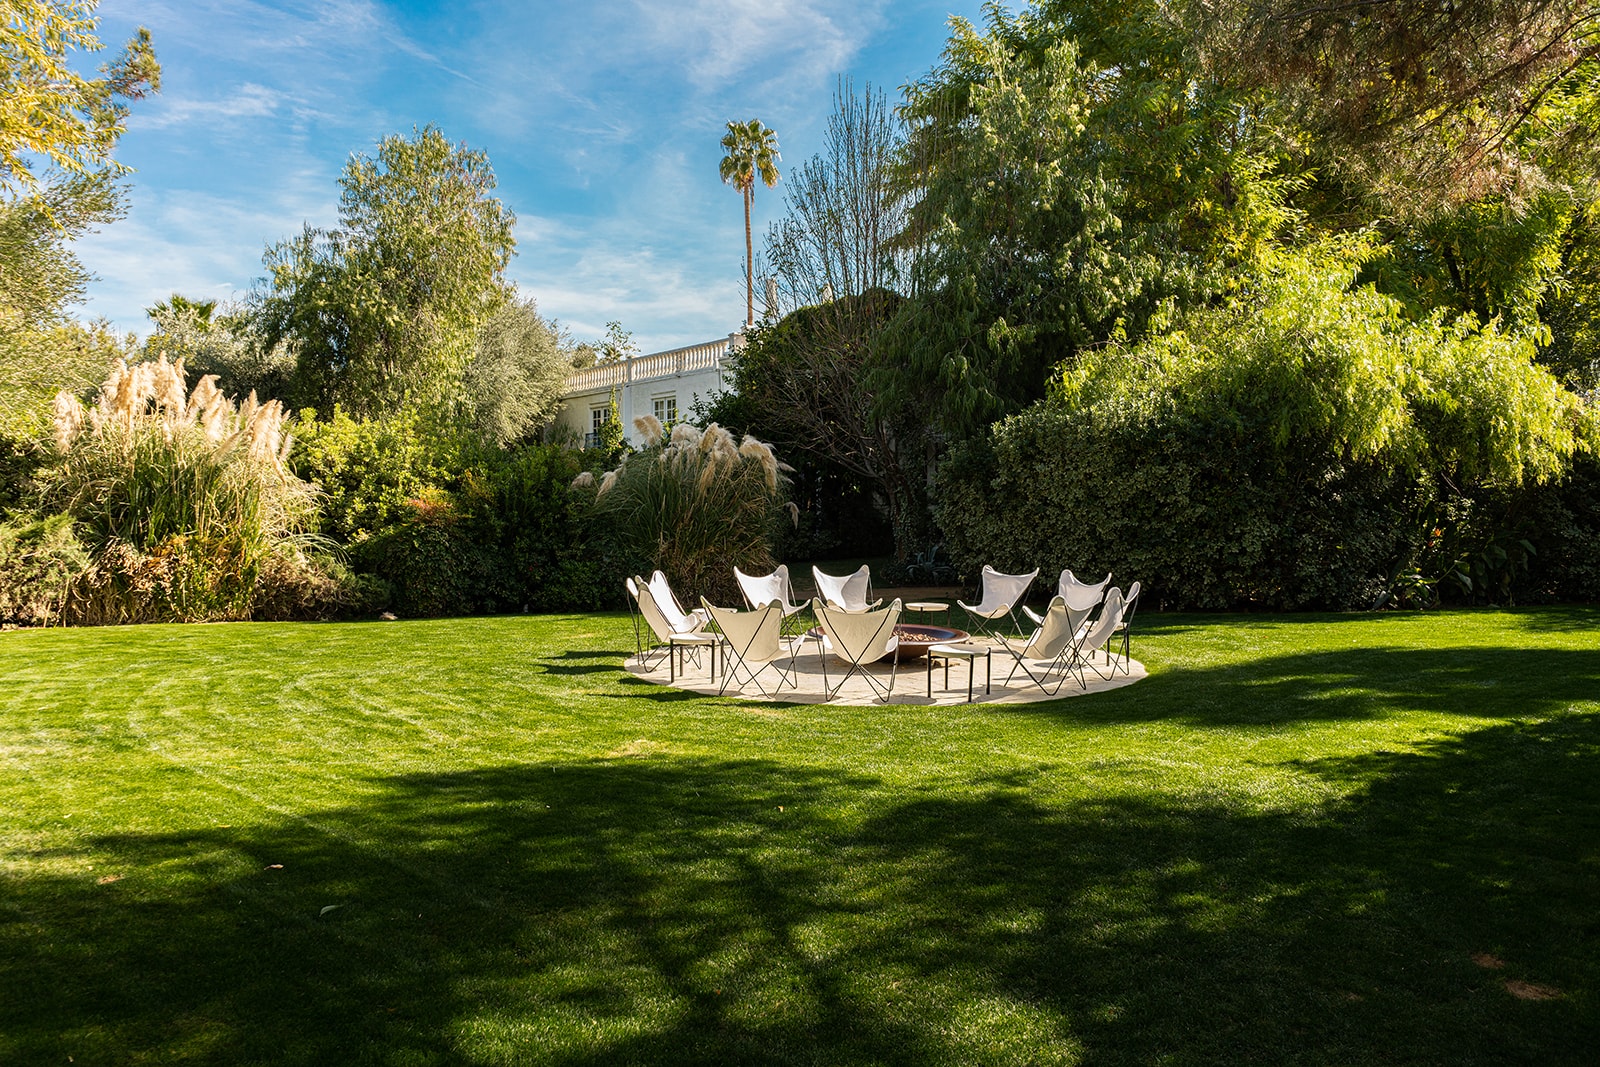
<point>1326,839</point>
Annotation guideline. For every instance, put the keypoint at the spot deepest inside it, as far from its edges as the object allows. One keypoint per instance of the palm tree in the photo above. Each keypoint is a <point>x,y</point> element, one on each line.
<point>752,151</point>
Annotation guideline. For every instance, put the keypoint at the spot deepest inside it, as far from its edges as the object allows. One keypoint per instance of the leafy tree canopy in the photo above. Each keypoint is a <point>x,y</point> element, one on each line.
<point>1073,169</point>
<point>1309,354</point>
<point>518,372</point>
<point>49,111</point>
<point>385,310</point>
<point>1430,104</point>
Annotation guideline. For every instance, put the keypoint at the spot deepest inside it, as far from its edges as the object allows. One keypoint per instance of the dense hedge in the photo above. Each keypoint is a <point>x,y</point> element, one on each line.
<point>449,525</point>
<point>1307,446</point>
<point>1206,517</point>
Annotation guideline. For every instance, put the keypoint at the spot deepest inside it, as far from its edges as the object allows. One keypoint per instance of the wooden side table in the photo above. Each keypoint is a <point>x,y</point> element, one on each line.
<point>970,653</point>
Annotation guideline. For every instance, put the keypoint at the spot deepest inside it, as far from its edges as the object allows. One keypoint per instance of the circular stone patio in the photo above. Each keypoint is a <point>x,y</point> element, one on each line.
<point>910,687</point>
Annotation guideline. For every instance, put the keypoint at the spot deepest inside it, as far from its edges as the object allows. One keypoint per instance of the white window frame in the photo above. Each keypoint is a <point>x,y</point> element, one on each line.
<point>665,408</point>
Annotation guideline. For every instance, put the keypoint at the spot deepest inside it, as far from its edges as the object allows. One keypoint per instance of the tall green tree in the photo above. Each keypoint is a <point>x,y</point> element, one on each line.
<point>1074,170</point>
<point>517,373</point>
<point>58,130</point>
<point>384,311</point>
<point>751,152</point>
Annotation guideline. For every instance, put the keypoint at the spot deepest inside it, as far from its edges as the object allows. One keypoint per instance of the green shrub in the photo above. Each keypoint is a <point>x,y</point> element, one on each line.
<point>451,525</point>
<point>368,469</point>
<point>431,565</point>
<point>40,559</point>
<point>1297,449</point>
<point>1562,522</point>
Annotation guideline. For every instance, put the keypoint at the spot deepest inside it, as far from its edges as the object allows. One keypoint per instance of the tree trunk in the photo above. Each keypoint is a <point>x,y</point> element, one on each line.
<point>749,260</point>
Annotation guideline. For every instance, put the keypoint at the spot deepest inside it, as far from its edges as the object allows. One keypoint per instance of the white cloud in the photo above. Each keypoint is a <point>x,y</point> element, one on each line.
<point>248,101</point>
<point>194,243</point>
<point>602,120</point>
<point>725,41</point>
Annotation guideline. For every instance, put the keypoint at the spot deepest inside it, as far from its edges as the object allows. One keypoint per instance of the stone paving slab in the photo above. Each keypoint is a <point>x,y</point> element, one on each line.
<point>910,685</point>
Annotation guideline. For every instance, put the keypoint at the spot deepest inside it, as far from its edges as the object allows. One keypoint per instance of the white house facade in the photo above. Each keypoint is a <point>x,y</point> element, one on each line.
<point>663,384</point>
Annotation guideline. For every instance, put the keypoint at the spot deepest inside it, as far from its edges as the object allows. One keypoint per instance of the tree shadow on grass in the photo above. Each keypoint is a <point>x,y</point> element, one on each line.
<point>650,910</point>
<point>1361,683</point>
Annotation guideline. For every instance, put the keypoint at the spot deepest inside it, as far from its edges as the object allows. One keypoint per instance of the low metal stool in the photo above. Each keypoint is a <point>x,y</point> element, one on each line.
<point>970,653</point>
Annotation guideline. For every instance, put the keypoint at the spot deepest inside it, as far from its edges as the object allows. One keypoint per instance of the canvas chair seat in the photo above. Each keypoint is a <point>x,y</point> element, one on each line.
<point>850,592</point>
<point>1110,618</point>
<point>1077,594</point>
<point>1001,594</point>
<point>760,590</point>
<point>751,642</point>
<point>1055,646</point>
<point>859,638</point>
<point>667,620</point>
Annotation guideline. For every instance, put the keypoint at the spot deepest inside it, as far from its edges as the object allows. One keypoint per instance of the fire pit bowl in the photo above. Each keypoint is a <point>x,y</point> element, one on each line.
<point>915,639</point>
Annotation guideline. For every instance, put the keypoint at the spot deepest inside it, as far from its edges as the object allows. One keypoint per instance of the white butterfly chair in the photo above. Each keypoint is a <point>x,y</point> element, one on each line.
<point>755,639</point>
<point>1001,592</point>
<point>764,589</point>
<point>675,629</point>
<point>668,599</point>
<point>1077,594</point>
<point>1100,631</point>
<point>633,615</point>
<point>1130,604</point>
<point>1054,646</point>
<point>859,638</point>
<point>849,592</point>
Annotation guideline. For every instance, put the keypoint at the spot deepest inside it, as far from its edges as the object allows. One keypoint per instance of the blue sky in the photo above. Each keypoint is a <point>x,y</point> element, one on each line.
<point>601,119</point>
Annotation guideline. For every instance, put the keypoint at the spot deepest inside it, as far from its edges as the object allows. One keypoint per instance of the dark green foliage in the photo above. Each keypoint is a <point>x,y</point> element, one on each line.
<point>1306,446</point>
<point>453,526</point>
<point>804,384</point>
<point>20,459</point>
<point>1562,522</point>
<point>1073,169</point>
<point>39,560</point>
<point>1205,514</point>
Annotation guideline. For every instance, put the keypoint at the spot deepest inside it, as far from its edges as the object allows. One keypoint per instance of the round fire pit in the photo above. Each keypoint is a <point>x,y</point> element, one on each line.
<point>915,640</point>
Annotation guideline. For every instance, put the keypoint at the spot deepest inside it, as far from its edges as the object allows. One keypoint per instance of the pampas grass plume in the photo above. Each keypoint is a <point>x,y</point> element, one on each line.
<point>68,414</point>
<point>584,480</point>
<point>649,429</point>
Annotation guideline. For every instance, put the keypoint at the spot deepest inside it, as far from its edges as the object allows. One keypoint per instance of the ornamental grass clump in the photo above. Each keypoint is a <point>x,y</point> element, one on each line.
<point>183,497</point>
<point>695,503</point>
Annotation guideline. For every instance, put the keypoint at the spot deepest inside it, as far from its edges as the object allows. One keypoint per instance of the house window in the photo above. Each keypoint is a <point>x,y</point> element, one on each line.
<point>667,409</point>
<point>598,417</point>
